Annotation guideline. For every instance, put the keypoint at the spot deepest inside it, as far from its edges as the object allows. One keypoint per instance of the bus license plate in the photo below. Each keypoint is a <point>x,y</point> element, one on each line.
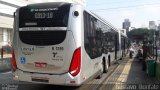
<point>40,65</point>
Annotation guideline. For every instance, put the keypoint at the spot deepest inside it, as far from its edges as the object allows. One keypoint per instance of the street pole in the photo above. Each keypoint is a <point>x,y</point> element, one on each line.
<point>154,44</point>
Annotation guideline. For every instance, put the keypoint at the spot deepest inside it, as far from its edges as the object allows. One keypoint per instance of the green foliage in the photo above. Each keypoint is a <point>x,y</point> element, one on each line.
<point>141,34</point>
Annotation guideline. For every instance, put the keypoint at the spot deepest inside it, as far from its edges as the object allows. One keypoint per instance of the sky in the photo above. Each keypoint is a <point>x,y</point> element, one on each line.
<point>139,12</point>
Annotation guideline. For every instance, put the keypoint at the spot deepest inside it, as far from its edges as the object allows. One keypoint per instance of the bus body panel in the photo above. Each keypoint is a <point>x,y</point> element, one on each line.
<point>55,61</point>
<point>57,58</point>
<point>75,23</point>
<point>63,79</point>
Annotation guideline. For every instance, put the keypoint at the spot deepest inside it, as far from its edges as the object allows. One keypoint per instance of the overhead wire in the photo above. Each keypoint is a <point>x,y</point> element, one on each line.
<point>124,1</point>
<point>125,7</point>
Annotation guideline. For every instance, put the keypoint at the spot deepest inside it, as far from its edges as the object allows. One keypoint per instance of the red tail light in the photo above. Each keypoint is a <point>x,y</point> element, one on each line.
<point>75,63</point>
<point>14,65</point>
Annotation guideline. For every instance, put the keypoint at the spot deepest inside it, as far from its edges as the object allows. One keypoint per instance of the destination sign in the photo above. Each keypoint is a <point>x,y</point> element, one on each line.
<point>44,16</point>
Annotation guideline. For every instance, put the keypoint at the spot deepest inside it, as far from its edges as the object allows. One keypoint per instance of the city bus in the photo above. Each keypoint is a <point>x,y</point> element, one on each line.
<point>62,44</point>
<point>124,44</point>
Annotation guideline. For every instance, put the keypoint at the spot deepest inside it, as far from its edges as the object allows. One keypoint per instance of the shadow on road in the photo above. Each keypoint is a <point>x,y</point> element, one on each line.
<point>44,87</point>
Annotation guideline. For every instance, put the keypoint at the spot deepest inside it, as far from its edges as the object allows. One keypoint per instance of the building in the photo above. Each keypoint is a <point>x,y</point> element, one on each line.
<point>132,28</point>
<point>123,31</point>
<point>152,25</point>
<point>6,23</point>
<point>8,7</point>
<point>126,25</point>
<point>158,27</point>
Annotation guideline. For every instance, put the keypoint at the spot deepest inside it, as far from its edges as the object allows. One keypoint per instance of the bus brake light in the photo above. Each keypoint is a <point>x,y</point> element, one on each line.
<point>14,65</point>
<point>75,63</point>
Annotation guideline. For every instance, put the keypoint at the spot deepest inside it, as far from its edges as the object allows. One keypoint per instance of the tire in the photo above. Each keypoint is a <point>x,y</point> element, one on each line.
<point>109,64</point>
<point>101,73</point>
<point>105,67</point>
<point>99,76</point>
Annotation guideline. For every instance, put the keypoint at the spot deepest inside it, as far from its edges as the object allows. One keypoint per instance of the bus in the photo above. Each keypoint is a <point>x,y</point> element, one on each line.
<point>124,44</point>
<point>62,44</point>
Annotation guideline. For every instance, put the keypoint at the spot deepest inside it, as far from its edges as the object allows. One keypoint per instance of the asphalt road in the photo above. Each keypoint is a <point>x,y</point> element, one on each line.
<point>6,83</point>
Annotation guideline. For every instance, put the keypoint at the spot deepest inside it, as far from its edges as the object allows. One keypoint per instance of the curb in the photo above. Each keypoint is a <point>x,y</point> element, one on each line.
<point>100,87</point>
<point>116,67</point>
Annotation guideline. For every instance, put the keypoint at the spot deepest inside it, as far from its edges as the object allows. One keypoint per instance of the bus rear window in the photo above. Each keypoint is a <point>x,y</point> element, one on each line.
<point>44,15</point>
<point>42,38</point>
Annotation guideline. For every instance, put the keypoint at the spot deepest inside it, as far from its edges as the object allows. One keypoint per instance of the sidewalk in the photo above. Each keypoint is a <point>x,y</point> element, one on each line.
<point>129,75</point>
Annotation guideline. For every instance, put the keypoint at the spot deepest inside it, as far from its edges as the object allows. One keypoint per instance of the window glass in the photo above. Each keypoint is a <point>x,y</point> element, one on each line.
<point>44,15</point>
<point>92,36</point>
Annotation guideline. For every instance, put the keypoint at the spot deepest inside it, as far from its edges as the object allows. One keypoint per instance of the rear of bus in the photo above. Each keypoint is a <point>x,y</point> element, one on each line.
<point>46,44</point>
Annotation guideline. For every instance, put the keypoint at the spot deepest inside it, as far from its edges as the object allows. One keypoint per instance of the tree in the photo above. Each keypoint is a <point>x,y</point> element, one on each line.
<point>141,34</point>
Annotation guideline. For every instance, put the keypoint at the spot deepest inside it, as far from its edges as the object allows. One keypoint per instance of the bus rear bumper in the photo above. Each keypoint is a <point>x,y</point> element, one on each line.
<point>62,79</point>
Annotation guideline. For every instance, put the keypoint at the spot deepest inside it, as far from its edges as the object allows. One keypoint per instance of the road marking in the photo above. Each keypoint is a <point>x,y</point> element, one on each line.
<point>127,65</point>
<point>124,75</point>
<point>109,76</point>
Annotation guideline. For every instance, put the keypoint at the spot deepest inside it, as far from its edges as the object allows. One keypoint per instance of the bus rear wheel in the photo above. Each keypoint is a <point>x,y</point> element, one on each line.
<point>101,72</point>
<point>105,67</point>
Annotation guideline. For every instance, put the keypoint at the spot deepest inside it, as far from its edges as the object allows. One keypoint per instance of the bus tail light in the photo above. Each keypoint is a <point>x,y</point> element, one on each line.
<point>75,63</point>
<point>14,65</point>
